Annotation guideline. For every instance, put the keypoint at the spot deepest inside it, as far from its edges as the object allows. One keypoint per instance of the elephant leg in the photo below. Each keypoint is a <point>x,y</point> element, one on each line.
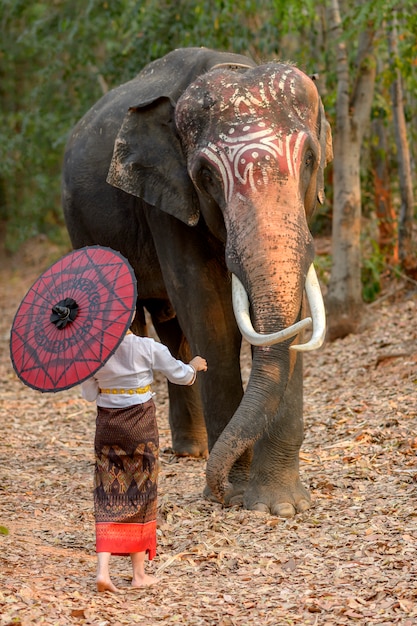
<point>186,420</point>
<point>221,385</point>
<point>139,326</point>
<point>274,484</point>
<point>212,333</point>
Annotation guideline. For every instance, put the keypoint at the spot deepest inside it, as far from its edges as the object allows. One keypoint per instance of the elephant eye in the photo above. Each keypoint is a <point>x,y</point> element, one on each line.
<point>205,175</point>
<point>209,181</point>
<point>206,179</point>
<point>309,158</point>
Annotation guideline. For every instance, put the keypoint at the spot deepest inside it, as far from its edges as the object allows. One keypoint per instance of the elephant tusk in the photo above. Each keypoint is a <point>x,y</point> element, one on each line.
<point>318,313</point>
<point>241,310</point>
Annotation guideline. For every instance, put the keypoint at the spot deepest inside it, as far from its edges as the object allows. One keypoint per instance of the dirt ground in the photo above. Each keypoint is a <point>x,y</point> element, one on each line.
<point>350,559</point>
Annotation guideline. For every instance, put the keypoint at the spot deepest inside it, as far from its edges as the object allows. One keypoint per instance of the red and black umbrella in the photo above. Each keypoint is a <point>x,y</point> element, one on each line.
<point>73,319</point>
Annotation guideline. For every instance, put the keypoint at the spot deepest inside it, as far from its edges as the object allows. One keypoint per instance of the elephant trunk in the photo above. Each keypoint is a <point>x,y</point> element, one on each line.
<point>266,386</point>
<point>273,268</point>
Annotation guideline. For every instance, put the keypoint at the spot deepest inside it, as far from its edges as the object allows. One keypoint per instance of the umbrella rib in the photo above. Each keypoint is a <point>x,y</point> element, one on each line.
<point>103,283</point>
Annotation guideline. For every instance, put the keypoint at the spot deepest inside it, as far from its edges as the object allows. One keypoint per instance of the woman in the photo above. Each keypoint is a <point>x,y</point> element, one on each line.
<point>126,452</point>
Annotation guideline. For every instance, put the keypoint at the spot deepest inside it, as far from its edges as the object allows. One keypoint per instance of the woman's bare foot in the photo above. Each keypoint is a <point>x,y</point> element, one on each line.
<point>105,584</point>
<point>147,580</point>
<point>140,578</point>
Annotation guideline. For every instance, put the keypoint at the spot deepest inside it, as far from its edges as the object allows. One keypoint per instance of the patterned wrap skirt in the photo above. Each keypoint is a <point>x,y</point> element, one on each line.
<point>125,479</point>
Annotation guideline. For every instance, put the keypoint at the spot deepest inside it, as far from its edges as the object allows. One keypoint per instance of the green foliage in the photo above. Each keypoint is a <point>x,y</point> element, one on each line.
<point>372,268</point>
<point>153,28</point>
<point>42,90</point>
<point>57,57</point>
<point>323,265</point>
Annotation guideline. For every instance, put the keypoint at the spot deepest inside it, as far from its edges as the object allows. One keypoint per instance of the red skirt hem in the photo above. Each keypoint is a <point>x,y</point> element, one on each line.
<point>125,538</point>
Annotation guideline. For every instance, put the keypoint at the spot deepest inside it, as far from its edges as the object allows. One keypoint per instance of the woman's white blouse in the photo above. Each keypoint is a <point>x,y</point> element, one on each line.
<point>131,367</point>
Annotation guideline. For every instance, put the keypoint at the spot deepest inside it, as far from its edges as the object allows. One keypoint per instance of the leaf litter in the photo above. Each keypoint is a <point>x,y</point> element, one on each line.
<point>351,558</point>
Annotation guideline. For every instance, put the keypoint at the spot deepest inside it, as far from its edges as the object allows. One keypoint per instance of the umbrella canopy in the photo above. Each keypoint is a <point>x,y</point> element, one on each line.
<point>73,318</point>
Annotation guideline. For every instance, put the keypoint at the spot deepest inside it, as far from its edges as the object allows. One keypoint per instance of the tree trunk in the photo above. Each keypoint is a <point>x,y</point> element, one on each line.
<point>353,105</point>
<point>407,259</point>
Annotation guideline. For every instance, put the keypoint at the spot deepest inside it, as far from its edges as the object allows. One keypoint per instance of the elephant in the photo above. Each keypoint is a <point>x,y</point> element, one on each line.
<point>204,171</point>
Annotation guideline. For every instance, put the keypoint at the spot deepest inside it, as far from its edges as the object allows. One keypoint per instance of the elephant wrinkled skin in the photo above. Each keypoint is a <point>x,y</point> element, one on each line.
<point>203,166</point>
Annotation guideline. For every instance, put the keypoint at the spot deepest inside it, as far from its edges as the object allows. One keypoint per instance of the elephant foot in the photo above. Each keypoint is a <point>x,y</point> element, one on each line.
<point>190,448</point>
<point>280,500</point>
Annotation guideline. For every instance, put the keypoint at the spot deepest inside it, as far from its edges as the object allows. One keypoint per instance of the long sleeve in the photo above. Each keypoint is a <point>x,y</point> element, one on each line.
<point>175,370</point>
<point>131,368</point>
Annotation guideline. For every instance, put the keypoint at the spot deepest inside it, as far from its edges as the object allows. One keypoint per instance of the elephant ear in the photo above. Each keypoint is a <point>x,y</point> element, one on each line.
<point>326,145</point>
<point>148,160</point>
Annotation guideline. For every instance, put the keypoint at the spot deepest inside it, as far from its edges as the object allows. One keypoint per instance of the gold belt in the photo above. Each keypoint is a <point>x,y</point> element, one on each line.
<point>129,391</point>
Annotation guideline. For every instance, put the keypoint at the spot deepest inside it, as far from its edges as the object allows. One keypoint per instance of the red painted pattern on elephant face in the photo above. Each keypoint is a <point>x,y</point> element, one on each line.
<point>251,157</point>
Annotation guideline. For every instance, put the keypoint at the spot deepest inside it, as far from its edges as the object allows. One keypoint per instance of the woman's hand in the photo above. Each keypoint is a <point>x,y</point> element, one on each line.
<point>199,364</point>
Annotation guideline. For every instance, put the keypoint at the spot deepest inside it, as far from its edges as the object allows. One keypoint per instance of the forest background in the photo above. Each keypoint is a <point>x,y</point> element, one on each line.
<point>58,57</point>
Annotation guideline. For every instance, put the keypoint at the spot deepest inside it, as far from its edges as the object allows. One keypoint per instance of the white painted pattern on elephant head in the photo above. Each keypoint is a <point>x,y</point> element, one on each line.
<point>254,149</point>
<point>246,156</point>
<point>279,87</point>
